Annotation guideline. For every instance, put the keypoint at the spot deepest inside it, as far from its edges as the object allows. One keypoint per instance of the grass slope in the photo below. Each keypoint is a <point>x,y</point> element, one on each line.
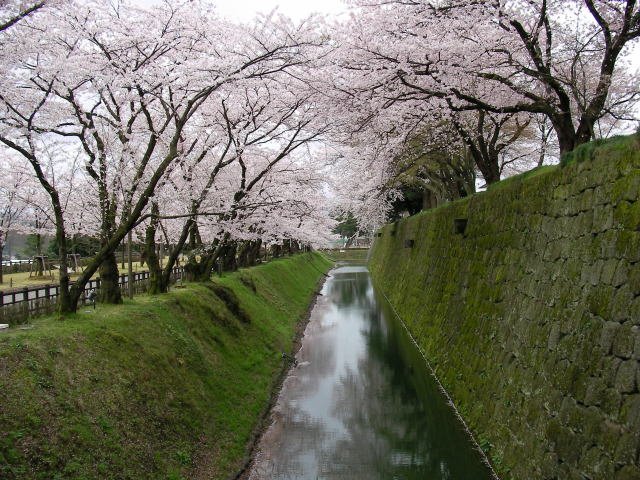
<point>164,387</point>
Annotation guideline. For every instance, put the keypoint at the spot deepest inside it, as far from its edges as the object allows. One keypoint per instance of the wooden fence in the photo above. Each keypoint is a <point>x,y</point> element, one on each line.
<point>23,266</point>
<point>17,306</point>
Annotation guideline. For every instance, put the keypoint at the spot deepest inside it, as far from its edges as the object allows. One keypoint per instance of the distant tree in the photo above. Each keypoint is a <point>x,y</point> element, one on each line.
<point>33,245</point>
<point>348,225</point>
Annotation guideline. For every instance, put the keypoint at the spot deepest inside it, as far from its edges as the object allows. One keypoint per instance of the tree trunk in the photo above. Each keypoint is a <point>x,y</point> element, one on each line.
<point>194,270</point>
<point>130,275</point>
<point>175,252</point>
<point>253,252</point>
<point>490,169</point>
<point>229,262</point>
<point>65,303</point>
<point>243,254</point>
<point>156,285</point>
<point>209,264</point>
<point>565,131</point>
<point>194,236</point>
<point>109,289</point>
<point>429,199</point>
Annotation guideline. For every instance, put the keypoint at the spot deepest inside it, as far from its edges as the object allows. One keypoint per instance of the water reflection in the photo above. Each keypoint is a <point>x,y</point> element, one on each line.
<point>360,404</point>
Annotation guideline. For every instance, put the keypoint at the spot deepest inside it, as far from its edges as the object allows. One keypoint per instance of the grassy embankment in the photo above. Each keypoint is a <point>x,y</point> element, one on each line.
<point>164,387</point>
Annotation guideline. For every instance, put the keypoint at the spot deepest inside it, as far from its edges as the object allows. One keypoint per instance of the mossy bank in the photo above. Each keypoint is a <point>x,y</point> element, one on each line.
<point>530,312</point>
<point>164,387</point>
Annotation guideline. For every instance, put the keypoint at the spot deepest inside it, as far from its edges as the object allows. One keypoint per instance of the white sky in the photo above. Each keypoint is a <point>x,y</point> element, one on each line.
<point>245,10</point>
<point>296,9</point>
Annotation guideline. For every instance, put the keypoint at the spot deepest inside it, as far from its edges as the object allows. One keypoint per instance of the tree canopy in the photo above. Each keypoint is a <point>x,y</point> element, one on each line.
<point>173,125</point>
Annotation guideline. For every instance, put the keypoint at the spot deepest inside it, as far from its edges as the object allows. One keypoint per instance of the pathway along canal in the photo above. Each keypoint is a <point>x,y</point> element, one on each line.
<point>361,403</point>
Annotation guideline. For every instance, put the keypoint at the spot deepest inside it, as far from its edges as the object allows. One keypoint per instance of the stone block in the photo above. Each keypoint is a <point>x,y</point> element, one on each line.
<point>581,248</point>
<point>609,270</point>
<point>554,336</point>
<point>586,200</point>
<point>626,377</point>
<point>602,218</point>
<point>566,443</point>
<point>566,410</point>
<point>547,226</point>
<point>609,368</point>
<point>610,433</point>
<point>595,391</point>
<point>595,272</point>
<point>628,246</point>
<point>634,311</point>
<point>608,244</point>
<point>624,341</point>
<point>572,269</point>
<point>592,422</point>
<point>599,196</point>
<point>634,279</point>
<point>622,273</point>
<point>607,336</point>
<point>627,187</point>
<point>627,215</point>
<point>572,320</point>
<point>595,464</point>
<point>620,305</point>
<point>553,251</point>
<point>630,412</point>
<point>628,472</point>
<point>561,192</point>
<point>553,402</point>
<point>627,448</point>
<point>585,220</point>
<point>549,466</point>
<point>573,207</point>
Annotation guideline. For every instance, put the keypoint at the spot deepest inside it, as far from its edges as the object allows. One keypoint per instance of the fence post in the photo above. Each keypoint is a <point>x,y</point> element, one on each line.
<point>25,292</point>
<point>47,291</point>
<point>1,298</point>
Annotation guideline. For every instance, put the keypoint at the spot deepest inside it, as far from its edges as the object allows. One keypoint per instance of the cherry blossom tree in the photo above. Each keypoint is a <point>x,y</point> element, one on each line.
<point>14,200</point>
<point>556,58</point>
<point>127,98</point>
<point>13,11</point>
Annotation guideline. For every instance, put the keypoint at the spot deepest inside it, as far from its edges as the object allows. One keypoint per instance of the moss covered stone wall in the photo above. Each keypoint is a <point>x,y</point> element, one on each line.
<point>531,317</point>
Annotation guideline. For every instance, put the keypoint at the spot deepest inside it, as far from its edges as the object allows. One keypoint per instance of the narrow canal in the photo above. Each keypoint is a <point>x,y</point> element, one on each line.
<point>360,403</point>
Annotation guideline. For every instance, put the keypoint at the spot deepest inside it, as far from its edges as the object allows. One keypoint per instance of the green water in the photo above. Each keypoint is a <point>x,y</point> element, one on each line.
<point>361,403</point>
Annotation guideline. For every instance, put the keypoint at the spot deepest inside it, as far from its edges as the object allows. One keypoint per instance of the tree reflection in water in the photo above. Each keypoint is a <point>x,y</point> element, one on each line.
<point>354,408</point>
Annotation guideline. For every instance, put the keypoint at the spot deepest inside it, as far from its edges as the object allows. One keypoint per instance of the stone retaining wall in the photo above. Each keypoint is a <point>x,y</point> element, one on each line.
<point>530,313</point>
